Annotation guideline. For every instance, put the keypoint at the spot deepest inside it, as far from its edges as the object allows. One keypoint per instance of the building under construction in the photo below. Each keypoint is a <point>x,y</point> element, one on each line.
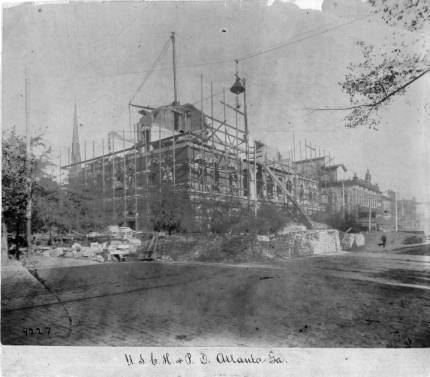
<point>189,150</point>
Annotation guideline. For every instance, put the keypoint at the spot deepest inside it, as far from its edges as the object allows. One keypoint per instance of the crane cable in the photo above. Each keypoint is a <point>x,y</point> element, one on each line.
<point>252,55</point>
<point>163,51</point>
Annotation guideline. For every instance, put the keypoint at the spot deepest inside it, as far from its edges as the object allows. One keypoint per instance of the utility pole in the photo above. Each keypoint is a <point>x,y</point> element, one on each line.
<point>113,178</point>
<point>212,112</point>
<point>85,165</point>
<point>255,179</point>
<point>175,89</point>
<point>395,210</point>
<point>370,215</point>
<point>59,169</point>
<point>248,183</point>
<point>93,164</point>
<point>28,162</point>
<point>202,125</point>
<point>225,119</point>
<point>201,102</point>
<point>306,147</point>
<point>135,178</point>
<point>124,181</point>
<point>343,199</point>
<point>212,188</point>
<point>103,175</point>
<point>294,144</point>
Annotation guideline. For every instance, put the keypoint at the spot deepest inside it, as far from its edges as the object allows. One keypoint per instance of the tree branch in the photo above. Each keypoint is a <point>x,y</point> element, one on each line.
<point>374,104</point>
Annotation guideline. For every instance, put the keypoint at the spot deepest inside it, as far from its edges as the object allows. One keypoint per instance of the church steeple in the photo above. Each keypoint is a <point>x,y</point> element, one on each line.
<point>76,149</point>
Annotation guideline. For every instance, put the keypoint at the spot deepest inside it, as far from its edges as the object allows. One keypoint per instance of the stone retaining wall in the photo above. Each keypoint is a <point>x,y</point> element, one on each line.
<point>250,248</point>
<point>302,243</point>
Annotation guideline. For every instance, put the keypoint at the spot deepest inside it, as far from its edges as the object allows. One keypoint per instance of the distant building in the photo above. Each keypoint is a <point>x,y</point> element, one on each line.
<point>407,218</point>
<point>423,216</point>
<point>303,187</point>
<point>357,197</point>
<point>408,213</point>
<point>318,169</point>
<point>325,176</point>
<point>386,215</point>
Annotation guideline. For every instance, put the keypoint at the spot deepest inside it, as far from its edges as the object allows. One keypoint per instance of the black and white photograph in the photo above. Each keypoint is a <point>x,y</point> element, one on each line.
<point>244,174</point>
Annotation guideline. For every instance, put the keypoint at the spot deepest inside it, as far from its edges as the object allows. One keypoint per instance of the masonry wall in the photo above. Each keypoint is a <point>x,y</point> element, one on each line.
<point>126,184</point>
<point>302,243</point>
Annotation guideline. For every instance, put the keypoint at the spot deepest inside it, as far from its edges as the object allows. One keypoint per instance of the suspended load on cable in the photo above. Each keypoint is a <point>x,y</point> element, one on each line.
<point>237,87</point>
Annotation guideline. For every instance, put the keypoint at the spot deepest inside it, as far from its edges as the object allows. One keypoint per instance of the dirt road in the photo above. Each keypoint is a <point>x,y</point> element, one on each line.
<point>350,300</point>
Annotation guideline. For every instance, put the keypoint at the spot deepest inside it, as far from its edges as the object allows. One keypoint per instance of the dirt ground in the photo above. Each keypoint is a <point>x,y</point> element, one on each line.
<point>348,300</point>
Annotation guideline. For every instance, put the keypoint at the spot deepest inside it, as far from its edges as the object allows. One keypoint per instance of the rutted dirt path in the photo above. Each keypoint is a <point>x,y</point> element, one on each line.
<point>350,300</point>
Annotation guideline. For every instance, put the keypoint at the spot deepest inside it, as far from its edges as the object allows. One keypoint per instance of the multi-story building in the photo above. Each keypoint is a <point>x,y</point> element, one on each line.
<point>303,187</point>
<point>423,216</point>
<point>385,218</point>
<point>407,218</point>
<point>357,197</point>
<point>179,147</point>
<point>325,176</point>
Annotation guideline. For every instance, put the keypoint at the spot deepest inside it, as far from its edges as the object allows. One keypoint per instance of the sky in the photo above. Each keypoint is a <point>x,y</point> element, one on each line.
<point>99,53</point>
<point>302,4</point>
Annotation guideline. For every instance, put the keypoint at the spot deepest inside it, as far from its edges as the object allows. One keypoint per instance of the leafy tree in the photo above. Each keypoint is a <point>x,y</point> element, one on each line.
<point>408,14</point>
<point>46,211</point>
<point>381,76</point>
<point>171,210</point>
<point>82,207</point>
<point>60,209</point>
<point>232,216</point>
<point>218,216</point>
<point>20,176</point>
<point>14,183</point>
<point>271,218</point>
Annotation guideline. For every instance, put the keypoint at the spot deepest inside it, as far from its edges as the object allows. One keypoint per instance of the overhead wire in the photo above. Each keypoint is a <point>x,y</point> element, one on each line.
<point>289,42</point>
<point>295,40</point>
<point>301,39</point>
<point>248,56</point>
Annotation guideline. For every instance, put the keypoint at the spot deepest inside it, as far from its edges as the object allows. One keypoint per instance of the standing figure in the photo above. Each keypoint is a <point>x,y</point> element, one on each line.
<point>383,240</point>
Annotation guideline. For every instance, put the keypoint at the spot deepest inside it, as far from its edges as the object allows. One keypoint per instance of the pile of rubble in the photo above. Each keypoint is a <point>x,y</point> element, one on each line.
<point>97,252</point>
<point>299,242</point>
<point>110,251</point>
<point>116,244</point>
